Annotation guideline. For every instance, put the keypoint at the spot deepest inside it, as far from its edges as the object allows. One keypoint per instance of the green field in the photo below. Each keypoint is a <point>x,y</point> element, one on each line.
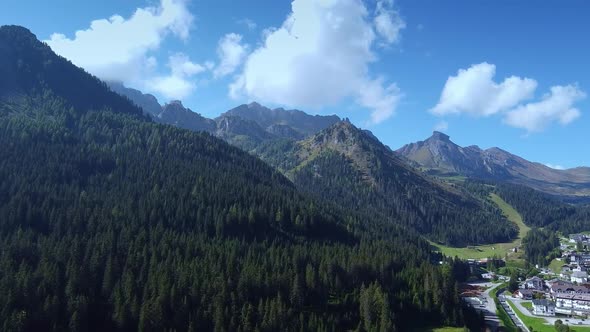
<point>528,305</point>
<point>540,324</point>
<point>496,249</point>
<point>556,265</point>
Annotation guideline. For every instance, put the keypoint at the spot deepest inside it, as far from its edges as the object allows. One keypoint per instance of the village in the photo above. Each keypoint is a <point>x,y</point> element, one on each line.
<point>560,294</point>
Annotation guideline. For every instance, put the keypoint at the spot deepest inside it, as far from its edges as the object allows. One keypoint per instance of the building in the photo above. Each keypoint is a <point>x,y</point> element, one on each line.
<point>525,294</point>
<point>572,304</point>
<point>579,276</point>
<point>575,238</point>
<point>534,283</point>
<point>543,308</point>
<point>528,294</point>
<point>566,287</point>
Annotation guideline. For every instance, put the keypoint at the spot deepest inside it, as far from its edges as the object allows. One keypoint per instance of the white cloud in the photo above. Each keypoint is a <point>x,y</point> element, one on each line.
<point>320,56</point>
<point>474,91</point>
<point>388,22</point>
<point>231,54</point>
<point>117,48</point>
<point>556,106</point>
<point>178,84</point>
<point>441,126</point>
<point>248,23</point>
<point>559,167</point>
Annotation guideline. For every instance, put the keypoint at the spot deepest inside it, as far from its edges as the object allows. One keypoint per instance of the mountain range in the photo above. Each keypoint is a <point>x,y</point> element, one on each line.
<point>438,155</point>
<point>253,126</point>
<point>332,159</point>
<point>111,221</point>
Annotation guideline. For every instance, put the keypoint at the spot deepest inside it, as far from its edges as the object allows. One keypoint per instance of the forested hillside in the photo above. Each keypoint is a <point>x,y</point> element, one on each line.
<point>541,210</point>
<point>351,167</point>
<point>111,222</point>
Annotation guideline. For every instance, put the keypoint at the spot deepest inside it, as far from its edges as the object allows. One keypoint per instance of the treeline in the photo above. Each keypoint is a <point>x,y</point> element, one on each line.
<point>541,246</point>
<point>385,188</point>
<point>536,208</point>
<point>541,210</point>
<point>112,223</point>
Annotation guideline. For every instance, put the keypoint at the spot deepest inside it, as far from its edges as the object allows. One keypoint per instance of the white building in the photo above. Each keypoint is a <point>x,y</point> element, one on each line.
<point>572,304</point>
<point>579,276</point>
<point>543,308</point>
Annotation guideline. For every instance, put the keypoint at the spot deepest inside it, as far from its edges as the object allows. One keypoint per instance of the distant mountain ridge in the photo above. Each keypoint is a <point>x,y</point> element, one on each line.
<point>440,156</point>
<point>245,126</point>
<point>298,121</point>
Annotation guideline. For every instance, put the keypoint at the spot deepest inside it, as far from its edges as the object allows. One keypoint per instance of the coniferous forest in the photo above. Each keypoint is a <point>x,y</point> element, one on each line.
<point>109,221</point>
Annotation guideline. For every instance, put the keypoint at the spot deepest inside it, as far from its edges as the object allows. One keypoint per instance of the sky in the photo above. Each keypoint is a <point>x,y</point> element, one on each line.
<point>511,74</point>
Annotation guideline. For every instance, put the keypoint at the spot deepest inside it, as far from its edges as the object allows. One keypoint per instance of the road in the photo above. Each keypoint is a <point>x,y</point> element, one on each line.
<point>489,306</point>
<point>502,298</point>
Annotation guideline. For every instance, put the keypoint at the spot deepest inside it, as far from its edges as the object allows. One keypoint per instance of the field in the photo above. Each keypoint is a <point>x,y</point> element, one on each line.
<point>528,305</point>
<point>496,249</point>
<point>556,265</point>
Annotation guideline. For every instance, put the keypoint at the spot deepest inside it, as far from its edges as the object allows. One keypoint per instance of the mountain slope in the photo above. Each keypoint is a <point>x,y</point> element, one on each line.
<point>28,65</point>
<point>440,156</point>
<point>299,124</point>
<point>174,113</point>
<point>345,164</point>
<point>147,102</point>
<point>110,222</point>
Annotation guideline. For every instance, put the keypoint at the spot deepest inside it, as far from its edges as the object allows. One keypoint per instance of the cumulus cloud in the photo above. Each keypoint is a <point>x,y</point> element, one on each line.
<point>388,22</point>
<point>117,48</point>
<point>473,91</point>
<point>179,83</point>
<point>556,106</point>
<point>441,126</point>
<point>231,54</point>
<point>321,55</point>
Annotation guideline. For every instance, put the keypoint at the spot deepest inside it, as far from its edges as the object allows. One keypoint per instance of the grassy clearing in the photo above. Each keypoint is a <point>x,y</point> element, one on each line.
<point>497,249</point>
<point>538,324</point>
<point>556,265</point>
<point>528,305</point>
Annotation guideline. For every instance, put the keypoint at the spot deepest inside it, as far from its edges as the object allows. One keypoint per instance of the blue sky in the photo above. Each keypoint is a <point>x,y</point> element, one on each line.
<point>390,66</point>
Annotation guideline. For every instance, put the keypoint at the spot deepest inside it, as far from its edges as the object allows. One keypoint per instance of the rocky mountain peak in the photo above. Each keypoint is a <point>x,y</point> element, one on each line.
<point>437,135</point>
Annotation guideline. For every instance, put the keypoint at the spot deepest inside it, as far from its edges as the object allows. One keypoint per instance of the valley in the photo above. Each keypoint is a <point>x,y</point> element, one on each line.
<point>502,250</point>
<point>134,198</point>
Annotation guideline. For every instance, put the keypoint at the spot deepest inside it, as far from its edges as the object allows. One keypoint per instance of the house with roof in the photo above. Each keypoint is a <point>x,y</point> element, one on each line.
<point>575,238</point>
<point>572,304</point>
<point>579,277</point>
<point>543,308</point>
<point>525,294</point>
<point>566,287</point>
<point>534,283</point>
